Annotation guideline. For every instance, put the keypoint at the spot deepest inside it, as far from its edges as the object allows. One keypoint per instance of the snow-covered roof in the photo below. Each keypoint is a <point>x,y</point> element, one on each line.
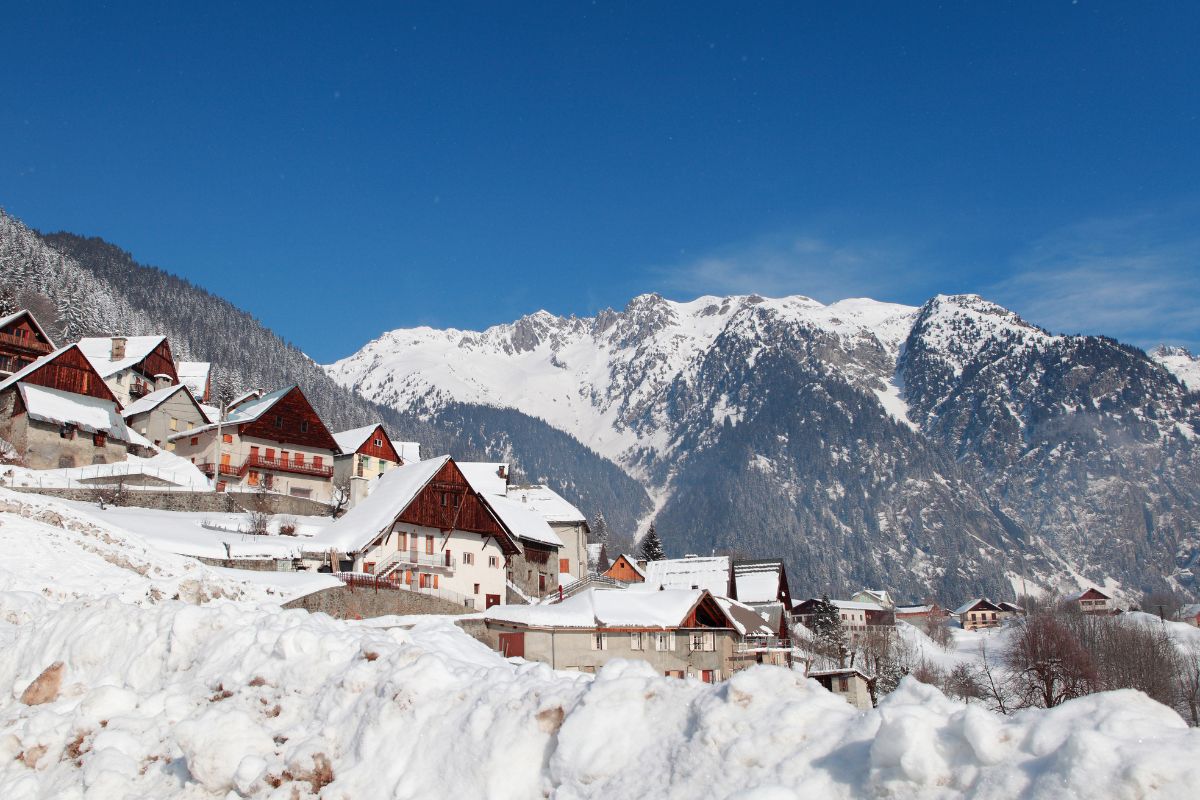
<point>211,413</point>
<point>746,620</point>
<point>757,581</point>
<point>913,609</point>
<point>856,605</point>
<point>349,441</point>
<point>605,608</point>
<point>409,451</point>
<point>550,504</point>
<point>1080,594</point>
<point>484,476</point>
<point>375,513</point>
<point>243,397</point>
<point>245,413</point>
<point>27,313</point>
<point>881,596</point>
<point>194,375</point>
<point>87,413</point>
<point>837,673</point>
<point>701,572</point>
<point>154,400</point>
<point>98,350</point>
<point>965,607</point>
<point>522,522</point>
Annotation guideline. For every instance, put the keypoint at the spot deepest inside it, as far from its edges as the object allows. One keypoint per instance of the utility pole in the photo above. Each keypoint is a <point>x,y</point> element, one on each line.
<point>217,460</point>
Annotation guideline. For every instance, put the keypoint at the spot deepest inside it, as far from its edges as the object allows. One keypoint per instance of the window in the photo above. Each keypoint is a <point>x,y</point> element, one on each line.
<point>493,562</point>
<point>254,452</point>
<point>190,425</point>
<point>635,640</point>
<point>564,565</point>
<point>379,442</point>
<point>252,477</point>
<point>299,459</point>
<point>173,424</point>
<point>541,581</point>
<point>599,641</point>
<point>477,588</point>
<point>278,421</point>
<point>468,559</point>
<point>318,461</point>
<point>369,567</point>
<point>456,499</point>
<point>195,440</point>
<point>270,454</point>
<point>227,438</point>
<point>664,642</point>
<point>445,499</point>
<point>402,541</point>
<point>703,640</point>
<point>304,426</point>
<point>99,439</point>
<point>428,545</point>
<point>283,457</point>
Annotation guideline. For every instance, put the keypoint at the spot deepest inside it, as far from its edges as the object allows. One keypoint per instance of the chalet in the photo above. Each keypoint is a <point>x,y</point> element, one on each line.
<point>853,685</point>
<point>275,442</point>
<point>627,569</point>
<point>533,571</point>
<point>22,341</point>
<point>58,413</point>
<point>761,581</point>
<point>568,522</point>
<point>197,377</point>
<point>981,613</point>
<point>857,617</point>
<point>132,366</point>
<point>679,632</point>
<point>366,452</point>
<point>1012,608</point>
<point>425,528</point>
<point>918,613</point>
<point>880,597</point>
<point>714,573</point>
<point>164,413</point>
<point>1092,601</point>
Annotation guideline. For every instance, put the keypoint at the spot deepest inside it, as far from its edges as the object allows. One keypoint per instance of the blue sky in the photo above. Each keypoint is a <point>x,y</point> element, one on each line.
<point>344,172</point>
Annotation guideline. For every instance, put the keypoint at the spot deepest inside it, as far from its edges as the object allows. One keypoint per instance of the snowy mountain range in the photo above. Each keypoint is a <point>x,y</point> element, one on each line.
<point>950,447</point>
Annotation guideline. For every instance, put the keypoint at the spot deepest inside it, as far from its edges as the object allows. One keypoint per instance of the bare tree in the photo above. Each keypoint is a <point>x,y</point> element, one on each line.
<point>963,682</point>
<point>1048,663</point>
<point>340,498</point>
<point>1187,678</point>
<point>992,682</point>
<point>1163,603</point>
<point>937,629</point>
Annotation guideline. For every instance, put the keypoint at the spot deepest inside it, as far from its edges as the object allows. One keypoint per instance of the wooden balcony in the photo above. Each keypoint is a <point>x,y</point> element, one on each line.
<point>210,469</point>
<point>290,465</point>
<point>7,340</point>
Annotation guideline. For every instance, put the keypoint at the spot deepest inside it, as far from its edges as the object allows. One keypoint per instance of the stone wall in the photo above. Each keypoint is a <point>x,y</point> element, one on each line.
<point>344,602</point>
<point>230,502</point>
<point>256,564</point>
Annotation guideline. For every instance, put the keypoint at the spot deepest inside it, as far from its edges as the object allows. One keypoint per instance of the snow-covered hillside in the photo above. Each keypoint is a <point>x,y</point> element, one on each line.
<point>1181,363</point>
<point>119,681</point>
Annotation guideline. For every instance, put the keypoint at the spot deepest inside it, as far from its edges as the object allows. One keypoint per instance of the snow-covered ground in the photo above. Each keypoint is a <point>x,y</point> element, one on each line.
<point>179,680</point>
<point>176,472</point>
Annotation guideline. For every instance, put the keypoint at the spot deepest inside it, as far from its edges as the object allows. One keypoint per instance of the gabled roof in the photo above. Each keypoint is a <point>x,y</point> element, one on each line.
<point>632,561</point>
<point>1091,590</point>
<point>87,413</point>
<point>881,596</point>
<point>521,522</point>
<point>194,375</point>
<point>609,608</point>
<point>746,620</point>
<point>703,572</point>
<point>758,581</point>
<point>550,504</point>
<point>11,318</point>
<point>349,441</point>
<point>157,398</point>
<point>409,451</point>
<point>245,413</point>
<point>484,476</point>
<point>978,602</point>
<point>98,350</point>
<point>375,513</point>
<point>23,373</point>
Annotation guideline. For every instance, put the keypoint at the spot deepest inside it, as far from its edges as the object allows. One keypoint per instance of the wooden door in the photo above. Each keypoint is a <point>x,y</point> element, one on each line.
<point>512,645</point>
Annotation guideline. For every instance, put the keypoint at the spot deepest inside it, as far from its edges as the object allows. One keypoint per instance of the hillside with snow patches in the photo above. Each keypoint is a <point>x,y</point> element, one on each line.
<point>952,447</point>
<point>164,678</point>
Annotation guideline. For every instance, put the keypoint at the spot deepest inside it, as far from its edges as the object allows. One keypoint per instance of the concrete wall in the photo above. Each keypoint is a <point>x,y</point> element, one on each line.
<point>156,425</point>
<point>574,549</point>
<point>205,450</point>
<point>573,649</point>
<point>344,602</point>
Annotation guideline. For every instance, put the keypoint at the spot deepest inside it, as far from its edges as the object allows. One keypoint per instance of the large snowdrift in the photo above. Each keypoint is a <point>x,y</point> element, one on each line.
<point>197,701</point>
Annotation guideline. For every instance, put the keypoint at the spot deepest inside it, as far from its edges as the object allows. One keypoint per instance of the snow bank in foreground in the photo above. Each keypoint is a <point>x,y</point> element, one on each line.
<point>198,701</point>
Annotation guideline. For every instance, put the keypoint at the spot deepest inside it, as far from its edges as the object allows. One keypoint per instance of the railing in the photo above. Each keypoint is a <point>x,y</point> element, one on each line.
<point>209,469</point>
<point>32,345</point>
<point>761,643</point>
<point>585,583</point>
<point>359,580</point>
<point>403,557</point>
<point>290,465</point>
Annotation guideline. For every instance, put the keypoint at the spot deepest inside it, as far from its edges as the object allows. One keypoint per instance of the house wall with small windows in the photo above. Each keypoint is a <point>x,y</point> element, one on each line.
<point>172,416</point>
<point>245,463</point>
<point>673,653</point>
<point>468,564</point>
<point>535,569</point>
<point>43,446</point>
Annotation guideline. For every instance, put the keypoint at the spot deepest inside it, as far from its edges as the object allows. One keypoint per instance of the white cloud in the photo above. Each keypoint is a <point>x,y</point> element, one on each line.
<point>1133,279</point>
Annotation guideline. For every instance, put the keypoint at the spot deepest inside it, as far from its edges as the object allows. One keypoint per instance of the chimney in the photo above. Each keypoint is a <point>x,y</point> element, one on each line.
<point>502,471</point>
<point>118,348</point>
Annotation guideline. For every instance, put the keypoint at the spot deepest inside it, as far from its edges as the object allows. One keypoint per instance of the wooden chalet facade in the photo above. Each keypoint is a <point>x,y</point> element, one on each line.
<point>366,452</point>
<point>276,443</point>
<point>425,528</point>
<point>1093,601</point>
<point>981,613</point>
<point>22,342</point>
<point>625,568</point>
<point>58,413</point>
<point>132,366</point>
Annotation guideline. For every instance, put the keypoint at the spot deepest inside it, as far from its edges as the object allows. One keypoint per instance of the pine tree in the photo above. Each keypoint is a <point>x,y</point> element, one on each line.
<point>827,627</point>
<point>600,532</point>
<point>652,547</point>
<point>8,301</point>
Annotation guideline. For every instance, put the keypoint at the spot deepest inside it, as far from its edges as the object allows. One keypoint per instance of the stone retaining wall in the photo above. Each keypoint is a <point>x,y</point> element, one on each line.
<point>343,602</point>
<point>225,502</point>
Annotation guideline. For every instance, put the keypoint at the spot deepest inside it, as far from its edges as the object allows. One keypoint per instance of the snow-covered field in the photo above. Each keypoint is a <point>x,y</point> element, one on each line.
<point>179,680</point>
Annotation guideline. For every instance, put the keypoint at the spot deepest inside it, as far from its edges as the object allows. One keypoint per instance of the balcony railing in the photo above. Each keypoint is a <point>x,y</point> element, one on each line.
<point>290,465</point>
<point>413,558</point>
<point>209,469</point>
<point>31,345</point>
